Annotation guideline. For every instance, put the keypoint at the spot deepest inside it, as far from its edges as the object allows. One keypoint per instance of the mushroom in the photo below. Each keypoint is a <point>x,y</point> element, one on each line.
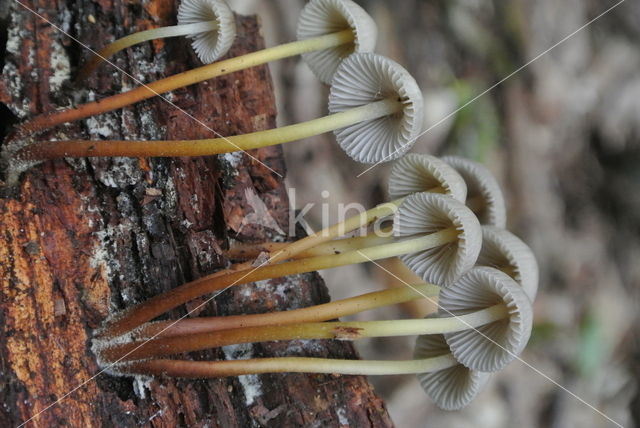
<point>485,315</point>
<point>410,174</point>
<point>369,123</point>
<point>209,369</point>
<point>348,28</point>
<point>425,213</point>
<point>210,23</point>
<point>416,172</point>
<point>492,346</point>
<point>322,312</point>
<point>112,350</point>
<point>452,388</point>
<point>503,250</point>
<point>484,196</point>
<point>461,225</point>
<point>322,17</point>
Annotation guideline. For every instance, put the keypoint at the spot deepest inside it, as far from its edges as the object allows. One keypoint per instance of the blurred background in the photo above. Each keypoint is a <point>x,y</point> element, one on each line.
<point>562,137</point>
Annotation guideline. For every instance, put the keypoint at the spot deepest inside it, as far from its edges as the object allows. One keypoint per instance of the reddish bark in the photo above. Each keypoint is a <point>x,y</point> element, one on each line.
<point>85,238</point>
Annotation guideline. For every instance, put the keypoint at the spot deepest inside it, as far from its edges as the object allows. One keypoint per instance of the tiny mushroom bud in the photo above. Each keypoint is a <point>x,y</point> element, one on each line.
<point>503,250</point>
<point>484,196</point>
<point>419,173</point>
<point>451,388</point>
<point>490,347</point>
<point>428,213</point>
<point>320,17</point>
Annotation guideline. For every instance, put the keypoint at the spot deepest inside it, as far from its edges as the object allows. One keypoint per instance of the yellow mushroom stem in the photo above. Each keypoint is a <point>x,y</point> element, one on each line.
<point>158,305</point>
<point>209,369</point>
<point>144,36</point>
<point>183,79</point>
<point>41,150</point>
<point>324,312</point>
<point>137,350</point>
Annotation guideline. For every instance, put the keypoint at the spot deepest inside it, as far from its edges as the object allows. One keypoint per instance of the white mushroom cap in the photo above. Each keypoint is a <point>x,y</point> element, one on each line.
<point>418,173</point>
<point>492,346</point>
<point>209,45</point>
<point>452,388</point>
<point>322,17</point>
<point>365,78</point>
<point>481,183</point>
<point>501,248</point>
<point>424,213</point>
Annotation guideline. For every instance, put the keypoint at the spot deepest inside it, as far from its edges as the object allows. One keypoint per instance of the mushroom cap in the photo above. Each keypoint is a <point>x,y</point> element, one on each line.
<point>419,173</point>
<point>501,248</point>
<point>492,346</point>
<point>209,45</point>
<point>481,183</point>
<point>322,17</point>
<point>452,388</point>
<point>365,78</point>
<point>424,213</point>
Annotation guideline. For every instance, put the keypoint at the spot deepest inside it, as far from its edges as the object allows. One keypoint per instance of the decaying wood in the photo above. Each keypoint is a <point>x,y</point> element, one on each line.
<point>86,238</point>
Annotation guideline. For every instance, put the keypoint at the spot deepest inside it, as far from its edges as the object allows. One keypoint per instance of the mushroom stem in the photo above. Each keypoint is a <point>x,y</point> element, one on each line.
<point>304,331</point>
<point>324,312</point>
<point>159,304</point>
<point>186,78</point>
<point>144,36</point>
<point>209,369</point>
<point>141,148</point>
<point>241,251</point>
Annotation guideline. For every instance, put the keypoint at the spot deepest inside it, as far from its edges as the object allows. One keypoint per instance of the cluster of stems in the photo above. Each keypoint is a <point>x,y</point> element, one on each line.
<point>149,343</point>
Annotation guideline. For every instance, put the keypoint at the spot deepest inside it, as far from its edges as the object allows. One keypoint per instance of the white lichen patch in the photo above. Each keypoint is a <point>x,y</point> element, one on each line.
<point>149,125</point>
<point>233,159</point>
<point>101,127</point>
<point>142,384</point>
<point>122,172</point>
<point>60,66</point>
<point>16,32</point>
<point>304,347</point>
<point>341,413</point>
<point>13,81</point>
<point>251,385</point>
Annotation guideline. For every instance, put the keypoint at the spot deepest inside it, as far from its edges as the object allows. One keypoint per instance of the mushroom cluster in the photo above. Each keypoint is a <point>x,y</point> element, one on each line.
<point>445,220</point>
<point>375,105</point>
<point>484,277</point>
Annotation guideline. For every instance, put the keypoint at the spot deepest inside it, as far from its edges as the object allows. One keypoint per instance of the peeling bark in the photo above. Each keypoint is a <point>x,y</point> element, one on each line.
<point>85,238</point>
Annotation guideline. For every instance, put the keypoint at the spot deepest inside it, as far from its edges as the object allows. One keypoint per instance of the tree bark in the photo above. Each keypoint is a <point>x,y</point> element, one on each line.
<point>85,238</point>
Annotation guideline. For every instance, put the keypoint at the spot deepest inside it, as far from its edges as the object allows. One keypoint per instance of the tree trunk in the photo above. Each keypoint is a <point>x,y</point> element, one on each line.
<point>85,238</point>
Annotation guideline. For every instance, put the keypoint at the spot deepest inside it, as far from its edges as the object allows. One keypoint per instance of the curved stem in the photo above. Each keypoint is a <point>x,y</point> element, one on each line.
<point>210,146</point>
<point>286,251</point>
<point>144,36</point>
<point>209,369</point>
<point>324,312</point>
<point>159,304</point>
<point>305,331</point>
<point>186,78</point>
